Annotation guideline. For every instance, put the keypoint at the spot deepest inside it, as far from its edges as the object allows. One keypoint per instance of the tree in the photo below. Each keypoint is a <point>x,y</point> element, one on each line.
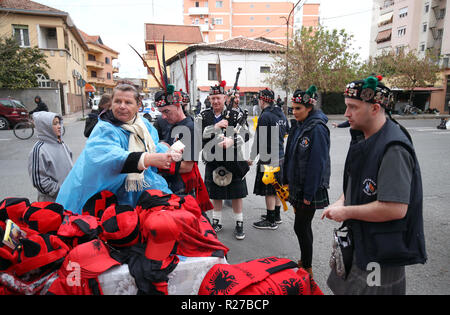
<point>406,70</point>
<point>317,56</point>
<point>19,66</point>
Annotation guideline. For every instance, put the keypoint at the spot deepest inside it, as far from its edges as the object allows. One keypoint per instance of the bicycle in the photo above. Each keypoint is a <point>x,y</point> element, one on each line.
<point>25,130</point>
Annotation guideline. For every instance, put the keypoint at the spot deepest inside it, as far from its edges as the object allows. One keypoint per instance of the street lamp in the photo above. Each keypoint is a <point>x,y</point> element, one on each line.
<point>286,82</point>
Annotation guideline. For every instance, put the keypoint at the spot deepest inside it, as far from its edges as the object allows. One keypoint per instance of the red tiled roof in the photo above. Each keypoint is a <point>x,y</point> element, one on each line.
<point>96,40</point>
<point>27,5</point>
<point>244,43</point>
<point>188,34</point>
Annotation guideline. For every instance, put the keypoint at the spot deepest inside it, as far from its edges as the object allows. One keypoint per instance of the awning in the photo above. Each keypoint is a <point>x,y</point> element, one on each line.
<point>89,88</point>
<point>385,18</point>
<point>384,36</point>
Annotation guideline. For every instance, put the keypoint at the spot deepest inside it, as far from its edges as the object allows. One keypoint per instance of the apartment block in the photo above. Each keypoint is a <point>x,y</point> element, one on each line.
<point>176,38</point>
<point>418,25</point>
<point>224,19</point>
<point>99,64</point>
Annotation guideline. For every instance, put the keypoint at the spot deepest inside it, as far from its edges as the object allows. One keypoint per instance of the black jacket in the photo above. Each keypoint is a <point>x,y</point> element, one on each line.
<point>392,243</point>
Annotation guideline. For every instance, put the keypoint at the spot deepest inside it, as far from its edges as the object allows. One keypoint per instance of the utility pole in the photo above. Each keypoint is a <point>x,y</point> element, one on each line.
<point>286,82</point>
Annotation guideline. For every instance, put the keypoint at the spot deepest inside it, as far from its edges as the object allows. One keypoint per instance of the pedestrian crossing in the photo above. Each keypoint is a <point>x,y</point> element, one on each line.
<point>432,130</point>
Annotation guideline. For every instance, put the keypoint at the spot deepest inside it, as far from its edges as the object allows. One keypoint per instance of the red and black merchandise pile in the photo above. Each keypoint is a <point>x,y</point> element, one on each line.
<point>46,249</point>
<point>53,251</point>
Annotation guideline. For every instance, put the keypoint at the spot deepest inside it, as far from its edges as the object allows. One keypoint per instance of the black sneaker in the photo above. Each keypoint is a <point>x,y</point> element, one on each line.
<point>216,226</point>
<point>277,218</point>
<point>265,225</point>
<point>239,230</point>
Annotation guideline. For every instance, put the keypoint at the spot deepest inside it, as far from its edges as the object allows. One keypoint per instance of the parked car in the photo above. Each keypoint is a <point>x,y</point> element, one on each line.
<point>12,111</point>
<point>150,110</point>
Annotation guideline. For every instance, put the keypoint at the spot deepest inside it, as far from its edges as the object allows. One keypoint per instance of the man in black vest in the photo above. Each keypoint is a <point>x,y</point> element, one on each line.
<point>382,201</point>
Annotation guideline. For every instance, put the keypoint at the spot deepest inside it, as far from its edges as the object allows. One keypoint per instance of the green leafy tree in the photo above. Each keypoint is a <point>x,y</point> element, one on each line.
<point>405,70</point>
<point>317,56</point>
<point>19,66</point>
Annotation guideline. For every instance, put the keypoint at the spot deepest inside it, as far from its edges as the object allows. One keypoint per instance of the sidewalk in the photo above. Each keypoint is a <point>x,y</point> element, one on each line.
<point>73,117</point>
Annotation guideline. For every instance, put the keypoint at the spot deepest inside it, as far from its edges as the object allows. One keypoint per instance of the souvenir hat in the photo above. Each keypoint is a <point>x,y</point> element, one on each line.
<point>162,232</point>
<point>184,97</point>
<point>266,95</point>
<point>39,250</point>
<point>13,209</point>
<point>44,217</point>
<point>154,199</point>
<point>307,98</point>
<point>79,228</point>
<point>218,89</point>
<point>96,205</point>
<point>369,90</point>
<point>120,224</point>
<point>93,257</point>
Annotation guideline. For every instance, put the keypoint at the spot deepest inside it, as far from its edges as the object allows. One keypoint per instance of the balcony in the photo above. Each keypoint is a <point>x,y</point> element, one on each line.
<point>149,56</point>
<point>95,64</point>
<point>115,70</point>
<point>198,11</point>
<point>96,80</point>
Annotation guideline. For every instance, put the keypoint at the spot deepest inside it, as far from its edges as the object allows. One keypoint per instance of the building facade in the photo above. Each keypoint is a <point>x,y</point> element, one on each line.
<point>176,38</point>
<point>254,56</point>
<point>53,31</point>
<point>100,65</point>
<point>224,19</point>
<point>418,25</point>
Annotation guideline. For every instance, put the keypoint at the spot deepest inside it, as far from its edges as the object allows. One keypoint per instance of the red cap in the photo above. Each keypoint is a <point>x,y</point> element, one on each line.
<point>44,217</point>
<point>120,224</point>
<point>162,232</point>
<point>92,256</point>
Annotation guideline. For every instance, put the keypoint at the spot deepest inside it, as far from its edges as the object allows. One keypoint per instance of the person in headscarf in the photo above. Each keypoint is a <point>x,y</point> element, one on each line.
<point>121,155</point>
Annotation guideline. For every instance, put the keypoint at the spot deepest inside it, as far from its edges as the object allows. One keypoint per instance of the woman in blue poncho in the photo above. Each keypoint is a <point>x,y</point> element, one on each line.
<point>121,155</point>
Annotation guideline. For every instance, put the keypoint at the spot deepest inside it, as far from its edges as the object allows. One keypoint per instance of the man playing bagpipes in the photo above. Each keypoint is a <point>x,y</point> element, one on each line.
<point>224,132</point>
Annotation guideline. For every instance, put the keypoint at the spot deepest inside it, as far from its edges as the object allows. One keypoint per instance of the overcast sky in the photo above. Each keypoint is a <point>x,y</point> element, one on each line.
<point>121,22</point>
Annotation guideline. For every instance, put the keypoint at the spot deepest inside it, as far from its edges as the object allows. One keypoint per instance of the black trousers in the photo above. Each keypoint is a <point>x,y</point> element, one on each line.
<point>303,230</point>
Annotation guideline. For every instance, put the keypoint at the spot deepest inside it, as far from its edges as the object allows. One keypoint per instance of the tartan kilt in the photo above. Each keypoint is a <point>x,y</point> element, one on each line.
<point>235,190</point>
<point>260,189</point>
<point>319,201</point>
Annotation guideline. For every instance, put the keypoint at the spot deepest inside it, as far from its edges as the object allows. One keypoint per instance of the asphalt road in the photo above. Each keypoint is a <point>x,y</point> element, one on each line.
<point>433,150</point>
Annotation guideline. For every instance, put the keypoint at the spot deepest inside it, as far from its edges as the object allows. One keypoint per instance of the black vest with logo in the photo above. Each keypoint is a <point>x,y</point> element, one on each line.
<point>392,243</point>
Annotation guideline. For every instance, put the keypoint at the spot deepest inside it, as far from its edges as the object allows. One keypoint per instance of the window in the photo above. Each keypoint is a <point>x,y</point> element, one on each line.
<point>440,33</point>
<point>264,69</point>
<point>422,47</point>
<point>107,60</point>
<point>424,27</point>
<point>21,35</point>
<point>403,12</point>
<point>267,18</point>
<point>218,21</point>
<point>252,30</point>
<point>108,75</point>
<point>212,72</point>
<point>427,8</point>
<point>151,68</point>
<point>91,57</point>
<point>219,36</point>
<point>401,31</point>
<point>219,4</point>
<point>441,14</point>
<point>252,18</point>
<point>94,74</point>
<point>399,49</point>
<point>197,4</point>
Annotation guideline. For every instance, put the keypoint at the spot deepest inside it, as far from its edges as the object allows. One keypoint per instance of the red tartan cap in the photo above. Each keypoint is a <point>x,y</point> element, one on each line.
<point>97,204</point>
<point>93,258</point>
<point>44,217</point>
<point>13,209</point>
<point>120,224</point>
<point>39,250</point>
<point>79,226</point>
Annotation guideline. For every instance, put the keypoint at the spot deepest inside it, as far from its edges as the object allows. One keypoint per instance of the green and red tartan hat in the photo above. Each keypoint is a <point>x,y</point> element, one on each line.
<point>369,90</point>
<point>307,98</point>
<point>218,89</point>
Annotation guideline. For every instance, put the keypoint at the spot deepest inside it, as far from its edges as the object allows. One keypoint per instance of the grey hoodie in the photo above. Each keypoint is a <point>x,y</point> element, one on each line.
<point>50,161</point>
